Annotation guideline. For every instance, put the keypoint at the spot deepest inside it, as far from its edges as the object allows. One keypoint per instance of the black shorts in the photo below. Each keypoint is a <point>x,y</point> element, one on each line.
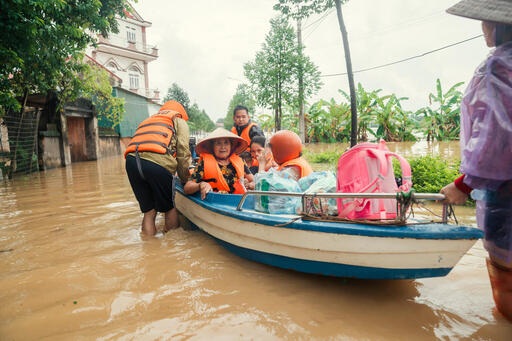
<point>155,190</point>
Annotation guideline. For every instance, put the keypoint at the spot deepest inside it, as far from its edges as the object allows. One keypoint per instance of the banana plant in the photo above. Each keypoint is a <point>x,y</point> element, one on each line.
<point>441,119</point>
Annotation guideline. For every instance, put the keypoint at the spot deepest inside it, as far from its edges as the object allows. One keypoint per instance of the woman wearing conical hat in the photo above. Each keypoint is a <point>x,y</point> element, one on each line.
<point>220,168</point>
<point>486,144</point>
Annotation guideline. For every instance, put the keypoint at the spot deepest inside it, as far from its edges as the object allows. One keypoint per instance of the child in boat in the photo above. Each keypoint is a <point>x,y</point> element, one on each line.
<point>257,147</point>
<point>286,148</point>
<point>220,168</point>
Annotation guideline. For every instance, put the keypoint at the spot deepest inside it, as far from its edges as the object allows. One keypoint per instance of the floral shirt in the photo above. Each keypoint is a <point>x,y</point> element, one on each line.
<point>228,172</point>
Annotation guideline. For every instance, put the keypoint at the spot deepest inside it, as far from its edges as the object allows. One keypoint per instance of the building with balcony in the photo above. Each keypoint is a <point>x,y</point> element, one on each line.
<point>127,54</point>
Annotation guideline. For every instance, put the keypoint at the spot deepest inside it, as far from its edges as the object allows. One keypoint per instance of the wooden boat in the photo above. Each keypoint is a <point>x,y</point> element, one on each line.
<point>332,248</point>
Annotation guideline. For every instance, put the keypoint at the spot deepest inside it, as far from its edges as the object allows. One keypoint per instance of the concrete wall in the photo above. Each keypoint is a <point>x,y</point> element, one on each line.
<point>109,146</point>
<point>51,147</point>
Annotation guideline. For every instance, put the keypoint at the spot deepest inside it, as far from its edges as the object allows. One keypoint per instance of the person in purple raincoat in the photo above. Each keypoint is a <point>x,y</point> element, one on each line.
<point>486,144</point>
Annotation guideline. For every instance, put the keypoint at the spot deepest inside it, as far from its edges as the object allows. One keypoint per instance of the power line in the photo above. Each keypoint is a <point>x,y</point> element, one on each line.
<point>404,60</point>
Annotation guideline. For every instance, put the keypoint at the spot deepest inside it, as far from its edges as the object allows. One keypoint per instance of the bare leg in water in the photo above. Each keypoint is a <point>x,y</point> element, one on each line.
<point>171,220</point>
<point>501,283</point>
<point>148,223</point>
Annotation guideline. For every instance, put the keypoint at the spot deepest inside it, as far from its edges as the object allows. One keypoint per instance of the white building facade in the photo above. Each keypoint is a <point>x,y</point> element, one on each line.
<point>127,55</point>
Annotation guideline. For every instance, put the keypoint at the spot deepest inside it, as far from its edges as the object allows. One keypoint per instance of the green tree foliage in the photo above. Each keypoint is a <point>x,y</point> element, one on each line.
<point>198,119</point>
<point>96,86</point>
<point>42,42</point>
<point>273,74</point>
<point>175,92</point>
<point>430,174</point>
<point>382,117</point>
<point>441,120</point>
<point>328,121</point>
<point>300,9</point>
<point>242,96</point>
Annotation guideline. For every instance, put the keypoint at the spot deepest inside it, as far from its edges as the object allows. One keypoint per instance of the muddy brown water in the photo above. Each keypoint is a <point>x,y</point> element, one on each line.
<point>75,267</point>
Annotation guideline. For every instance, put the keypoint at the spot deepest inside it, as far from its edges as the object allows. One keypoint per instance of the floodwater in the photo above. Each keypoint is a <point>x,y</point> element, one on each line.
<point>75,267</point>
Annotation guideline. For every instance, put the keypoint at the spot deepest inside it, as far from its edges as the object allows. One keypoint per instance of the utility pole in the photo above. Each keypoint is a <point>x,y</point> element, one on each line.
<point>302,129</point>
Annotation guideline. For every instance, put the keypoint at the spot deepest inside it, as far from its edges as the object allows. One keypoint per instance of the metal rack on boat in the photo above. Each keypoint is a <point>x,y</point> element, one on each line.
<point>403,199</point>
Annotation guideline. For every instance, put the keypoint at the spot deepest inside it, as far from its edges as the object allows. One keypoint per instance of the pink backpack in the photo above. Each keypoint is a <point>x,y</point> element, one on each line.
<point>368,168</point>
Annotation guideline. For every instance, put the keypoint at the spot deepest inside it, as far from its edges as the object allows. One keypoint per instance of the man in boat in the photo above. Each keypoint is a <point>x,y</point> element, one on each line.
<point>158,150</point>
<point>286,148</point>
<point>220,168</point>
<point>244,127</point>
<point>486,144</point>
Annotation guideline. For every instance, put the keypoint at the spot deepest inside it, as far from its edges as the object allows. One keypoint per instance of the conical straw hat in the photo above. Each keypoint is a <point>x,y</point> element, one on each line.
<point>499,11</point>
<point>206,145</point>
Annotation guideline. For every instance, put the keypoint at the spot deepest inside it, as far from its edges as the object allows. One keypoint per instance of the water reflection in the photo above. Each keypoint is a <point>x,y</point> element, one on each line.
<point>74,266</point>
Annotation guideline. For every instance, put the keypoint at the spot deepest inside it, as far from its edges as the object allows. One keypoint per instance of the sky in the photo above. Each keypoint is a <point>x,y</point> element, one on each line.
<point>204,44</point>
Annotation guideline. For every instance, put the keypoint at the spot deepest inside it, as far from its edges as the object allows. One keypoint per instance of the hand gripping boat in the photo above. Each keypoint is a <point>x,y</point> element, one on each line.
<point>391,250</point>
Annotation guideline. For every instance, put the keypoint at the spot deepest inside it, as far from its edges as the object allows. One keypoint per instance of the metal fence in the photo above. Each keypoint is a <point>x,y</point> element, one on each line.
<point>19,143</point>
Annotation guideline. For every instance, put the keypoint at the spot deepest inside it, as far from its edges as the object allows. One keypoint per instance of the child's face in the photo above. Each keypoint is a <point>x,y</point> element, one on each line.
<point>256,150</point>
<point>222,148</point>
<point>241,117</point>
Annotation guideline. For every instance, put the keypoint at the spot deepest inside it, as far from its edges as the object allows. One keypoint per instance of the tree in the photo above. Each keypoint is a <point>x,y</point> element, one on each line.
<point>42,43</point>
<point>197,118</point>
<point>441,120</point>
<point>175,92</point>
<point>242,96</point>
<point>96,86</point>
<point>273,75</point>
<point>300,9</point>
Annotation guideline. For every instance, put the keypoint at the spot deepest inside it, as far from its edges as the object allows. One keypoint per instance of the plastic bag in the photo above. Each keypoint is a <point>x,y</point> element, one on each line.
<point>325,183</point>
<point>309,180</point>
<point>274,204</point>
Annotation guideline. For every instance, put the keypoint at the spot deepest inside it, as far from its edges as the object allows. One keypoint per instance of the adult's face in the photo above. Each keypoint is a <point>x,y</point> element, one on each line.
<point>241,117</point>
<point>222,148</point>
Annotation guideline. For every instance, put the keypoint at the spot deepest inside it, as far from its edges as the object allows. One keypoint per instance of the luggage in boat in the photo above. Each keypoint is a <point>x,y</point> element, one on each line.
<point>274,181</point>
<point>319,182</point>
<point>368,168</point>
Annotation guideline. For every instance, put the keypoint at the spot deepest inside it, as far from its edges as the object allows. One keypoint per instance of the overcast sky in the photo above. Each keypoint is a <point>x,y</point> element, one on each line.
<point>203,45</point>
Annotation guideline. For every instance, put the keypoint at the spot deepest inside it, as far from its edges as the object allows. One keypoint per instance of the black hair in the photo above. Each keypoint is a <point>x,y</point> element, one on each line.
<point>259,140</point>
<point>503,33</point>
<point>240,107</point>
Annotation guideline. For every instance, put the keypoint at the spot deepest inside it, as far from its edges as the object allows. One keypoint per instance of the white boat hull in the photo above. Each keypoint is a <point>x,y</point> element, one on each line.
<point>330,253</point>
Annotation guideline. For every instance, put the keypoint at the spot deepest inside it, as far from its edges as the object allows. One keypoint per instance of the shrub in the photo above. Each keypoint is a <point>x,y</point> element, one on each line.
<point>430,174</point>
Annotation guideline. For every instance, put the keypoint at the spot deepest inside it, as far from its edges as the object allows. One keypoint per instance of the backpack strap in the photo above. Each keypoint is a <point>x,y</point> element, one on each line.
<point>406,172</point>
<point>382,156</point>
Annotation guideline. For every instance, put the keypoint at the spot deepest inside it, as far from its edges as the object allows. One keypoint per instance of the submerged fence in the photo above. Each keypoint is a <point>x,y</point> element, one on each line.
<point>19,143</point>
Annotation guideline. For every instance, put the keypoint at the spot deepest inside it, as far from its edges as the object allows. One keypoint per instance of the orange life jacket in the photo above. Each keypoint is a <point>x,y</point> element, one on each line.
<point>245,134</point>
<point>301,163</point>
<point>212,171</point>
<point>153,135</point>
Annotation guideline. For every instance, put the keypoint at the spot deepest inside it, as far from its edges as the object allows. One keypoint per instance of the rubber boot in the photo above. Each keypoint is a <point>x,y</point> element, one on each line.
<point>501,284</point>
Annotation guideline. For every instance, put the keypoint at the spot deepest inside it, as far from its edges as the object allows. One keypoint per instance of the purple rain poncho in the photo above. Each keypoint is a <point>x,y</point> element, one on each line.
<point>486,148</point>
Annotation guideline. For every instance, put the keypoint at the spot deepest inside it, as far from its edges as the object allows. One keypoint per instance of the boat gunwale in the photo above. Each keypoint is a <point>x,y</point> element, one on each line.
<point>226,204</point>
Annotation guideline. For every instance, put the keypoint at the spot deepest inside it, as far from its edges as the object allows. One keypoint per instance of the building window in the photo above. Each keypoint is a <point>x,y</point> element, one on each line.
<point>134,81</point>
<point>112,67</point>
<point>130,34</point>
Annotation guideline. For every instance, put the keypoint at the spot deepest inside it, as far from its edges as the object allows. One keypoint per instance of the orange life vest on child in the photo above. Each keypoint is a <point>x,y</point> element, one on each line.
<point>301,163</point>
<point>245,134</point>
<point>154,135</point>
<point>212,171</point>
